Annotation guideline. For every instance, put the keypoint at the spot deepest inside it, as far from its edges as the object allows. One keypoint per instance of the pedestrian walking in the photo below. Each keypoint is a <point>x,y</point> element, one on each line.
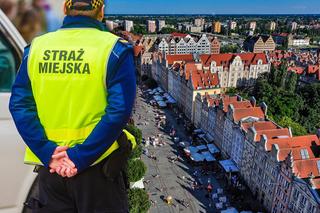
<point>72,97</point>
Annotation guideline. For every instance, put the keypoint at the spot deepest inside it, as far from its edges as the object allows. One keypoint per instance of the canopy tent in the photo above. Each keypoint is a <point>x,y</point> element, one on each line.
<point>159,89</point>
<point>157,98</point>
<point>208,156</point>
<point>162,104</point>
<point>171,101</point>
<point>191,149</point>
<point>198,131</point>
<point>230,210</point>
<point>213,149</point>
<point>202,147</point>
<point>196,157</point>
<point>229,165</point>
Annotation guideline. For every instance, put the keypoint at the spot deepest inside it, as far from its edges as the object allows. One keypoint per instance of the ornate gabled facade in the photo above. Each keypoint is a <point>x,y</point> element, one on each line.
<point>236,70</point>
<point>188,45</point>
<point>259,44</point>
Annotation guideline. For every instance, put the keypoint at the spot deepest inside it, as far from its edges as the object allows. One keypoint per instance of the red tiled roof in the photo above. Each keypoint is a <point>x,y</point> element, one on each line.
<point>200,79</point>
<point>296,153</point>
<point>248,112</point>
<point>242,104</point>
<point>227,100</point>
<point>293,142</point>
<point>174,58</point>
<point>272,133</point>
<point>260,125</point>
<point>212,100</point>
<point>175,34</point>
<point>304,168</point>
<point>313,69</point>
<point>227,58</point>
<point>298,70</point>
<point>316,183</point>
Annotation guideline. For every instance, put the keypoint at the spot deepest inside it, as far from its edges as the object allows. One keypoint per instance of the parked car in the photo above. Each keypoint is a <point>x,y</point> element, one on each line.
<point>16,179</point>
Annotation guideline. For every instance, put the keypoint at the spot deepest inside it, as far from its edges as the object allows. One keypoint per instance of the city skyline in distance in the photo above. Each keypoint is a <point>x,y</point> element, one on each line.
<point>231,7</point>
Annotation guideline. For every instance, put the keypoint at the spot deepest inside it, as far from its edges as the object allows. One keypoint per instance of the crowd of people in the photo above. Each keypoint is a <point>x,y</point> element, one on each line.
<point>31,18</point>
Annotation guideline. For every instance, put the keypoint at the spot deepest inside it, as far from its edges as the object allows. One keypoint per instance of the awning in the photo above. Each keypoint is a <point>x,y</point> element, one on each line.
<point>160,89</point>
<point>158,98</point>
<point>229,165</point>
<point>162,104</point>
<point>198,131</point>
<point>208,156</point>
<point>196,157</point>
<point>202,147</point>
<point>213,149</point>
<point>191,149</point>
<point>230,210</point>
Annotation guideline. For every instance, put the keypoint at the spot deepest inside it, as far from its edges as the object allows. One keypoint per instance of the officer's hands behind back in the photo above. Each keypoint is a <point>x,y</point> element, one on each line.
<point>61,163</point>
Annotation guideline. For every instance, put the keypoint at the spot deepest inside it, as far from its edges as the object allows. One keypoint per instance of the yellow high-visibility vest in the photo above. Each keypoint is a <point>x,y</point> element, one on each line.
<point>67,70</point>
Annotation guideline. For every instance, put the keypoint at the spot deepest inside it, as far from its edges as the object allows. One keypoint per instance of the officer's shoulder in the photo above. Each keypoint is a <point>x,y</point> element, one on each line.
<point>121,47</point>
<point>124,43</point>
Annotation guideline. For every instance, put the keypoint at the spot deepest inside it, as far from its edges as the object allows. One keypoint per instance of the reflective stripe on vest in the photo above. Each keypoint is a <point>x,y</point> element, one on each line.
<point>67,70</point>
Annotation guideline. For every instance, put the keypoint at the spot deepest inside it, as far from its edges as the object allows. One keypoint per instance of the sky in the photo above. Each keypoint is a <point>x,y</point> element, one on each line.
<point>213,7</point>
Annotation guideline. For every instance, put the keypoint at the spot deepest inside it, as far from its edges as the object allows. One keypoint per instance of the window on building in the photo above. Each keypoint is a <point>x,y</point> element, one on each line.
<point>304,154</point>
<point>303,201</point>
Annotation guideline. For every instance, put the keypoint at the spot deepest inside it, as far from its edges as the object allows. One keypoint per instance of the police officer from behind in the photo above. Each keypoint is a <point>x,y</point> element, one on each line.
<point>72,97</point>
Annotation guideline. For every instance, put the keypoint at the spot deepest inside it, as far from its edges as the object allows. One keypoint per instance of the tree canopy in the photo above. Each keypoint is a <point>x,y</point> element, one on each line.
<point>138,201</point>
<point>136,170</point>
<point>288,103</point>
<point>136,132</point>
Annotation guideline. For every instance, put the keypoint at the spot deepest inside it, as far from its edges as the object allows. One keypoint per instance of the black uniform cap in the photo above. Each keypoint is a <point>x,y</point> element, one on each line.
<point>92,4</point>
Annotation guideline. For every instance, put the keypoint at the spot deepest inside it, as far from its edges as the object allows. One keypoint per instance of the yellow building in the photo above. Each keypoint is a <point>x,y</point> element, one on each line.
<point>216,27</point>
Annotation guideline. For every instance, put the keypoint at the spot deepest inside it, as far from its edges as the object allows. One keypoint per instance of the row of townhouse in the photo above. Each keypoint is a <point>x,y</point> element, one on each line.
<point>233,70</point>
<point>281,170</point>
<point>236,70</point>
<point>187,44</point>
<point>183,78</point>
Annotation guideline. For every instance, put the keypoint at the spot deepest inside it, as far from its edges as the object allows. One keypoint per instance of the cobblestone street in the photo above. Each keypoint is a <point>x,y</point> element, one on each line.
<point>163,177</point>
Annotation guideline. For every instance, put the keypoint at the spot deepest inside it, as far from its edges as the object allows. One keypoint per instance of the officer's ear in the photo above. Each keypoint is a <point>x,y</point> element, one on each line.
<point>64,8</point>
<point>101,13</point>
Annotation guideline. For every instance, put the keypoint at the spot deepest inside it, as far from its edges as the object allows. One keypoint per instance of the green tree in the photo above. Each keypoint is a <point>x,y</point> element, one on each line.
<point>136,153</point>
<point>297,129</point>
<point>136,170</point>
<point>310,115</point>
<point>138,201</point>
<point>139,29</point>
<point>230,48</point>
<point>136,132</point>
<point>263,91</point>
<point>168,30</point>
<point>291,82</point>
<point>232,91</point>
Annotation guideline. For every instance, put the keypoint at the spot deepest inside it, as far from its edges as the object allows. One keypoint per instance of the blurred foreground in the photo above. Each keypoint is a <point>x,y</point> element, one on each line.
<point>32,18</point>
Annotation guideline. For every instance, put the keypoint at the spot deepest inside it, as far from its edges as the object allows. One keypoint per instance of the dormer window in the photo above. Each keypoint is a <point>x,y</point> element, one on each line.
<point>304,154</point>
